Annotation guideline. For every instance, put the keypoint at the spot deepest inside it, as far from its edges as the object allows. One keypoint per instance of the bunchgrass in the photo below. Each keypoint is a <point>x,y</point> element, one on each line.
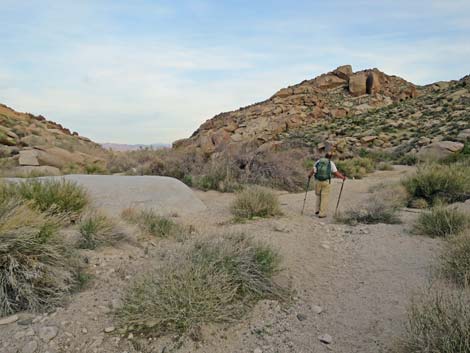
<point>37,270</point>
<point>439,321</point>
<point>442,221</point>
<point>435,182</point>
<point>455,260</point>
<point>212,281</point>
<point>55,197</point>
<point>254,202</point>
<point>150,222</point>
<point>356,168</point>
<point>97,229</point>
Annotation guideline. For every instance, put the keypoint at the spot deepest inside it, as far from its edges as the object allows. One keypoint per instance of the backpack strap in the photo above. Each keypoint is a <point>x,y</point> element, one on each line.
<point>329,170</point>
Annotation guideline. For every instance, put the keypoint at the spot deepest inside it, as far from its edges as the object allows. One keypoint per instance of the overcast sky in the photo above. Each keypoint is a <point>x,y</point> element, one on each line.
<point>146,71</point>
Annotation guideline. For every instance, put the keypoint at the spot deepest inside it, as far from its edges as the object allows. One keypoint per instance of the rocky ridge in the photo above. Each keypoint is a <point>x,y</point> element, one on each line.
<point>33,144</point>
<point>336,95</point>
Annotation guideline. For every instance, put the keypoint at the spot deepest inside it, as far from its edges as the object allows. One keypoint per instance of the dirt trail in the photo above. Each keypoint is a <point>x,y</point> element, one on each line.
<point>360,278</point>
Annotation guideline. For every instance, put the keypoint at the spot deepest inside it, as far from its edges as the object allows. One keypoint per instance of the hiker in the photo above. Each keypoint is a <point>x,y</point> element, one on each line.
<point>323,169</point>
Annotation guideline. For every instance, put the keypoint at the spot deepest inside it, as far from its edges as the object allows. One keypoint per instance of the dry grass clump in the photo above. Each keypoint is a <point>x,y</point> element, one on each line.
<point>97,229</point>
<point>374,211</point>
<point>150,222</point>
<point>255,201</point>
<point>442,221</point>
<point>36,268</point>
<point>55,197</point>
<point>455,260</point>
<point>214,280</point>
<point>434,182</point>
<point>439,321</point>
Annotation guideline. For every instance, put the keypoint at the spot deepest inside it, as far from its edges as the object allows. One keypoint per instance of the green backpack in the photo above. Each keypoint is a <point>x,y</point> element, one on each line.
<point>323,170</point>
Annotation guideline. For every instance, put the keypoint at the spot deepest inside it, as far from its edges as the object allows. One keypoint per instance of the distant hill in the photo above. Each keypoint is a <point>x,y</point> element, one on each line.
<point>121,147</point>
<point>32,144</point>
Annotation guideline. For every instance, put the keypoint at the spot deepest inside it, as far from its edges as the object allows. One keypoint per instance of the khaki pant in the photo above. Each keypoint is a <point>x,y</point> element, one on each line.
<point>322,191</point>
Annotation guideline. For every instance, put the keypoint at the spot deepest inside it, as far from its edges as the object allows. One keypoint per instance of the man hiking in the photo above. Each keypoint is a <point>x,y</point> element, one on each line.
<point>323,169</point>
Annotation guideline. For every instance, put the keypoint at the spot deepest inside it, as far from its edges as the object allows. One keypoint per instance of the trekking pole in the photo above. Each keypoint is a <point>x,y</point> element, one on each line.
<point>305,198</point>
<point>339,197</point>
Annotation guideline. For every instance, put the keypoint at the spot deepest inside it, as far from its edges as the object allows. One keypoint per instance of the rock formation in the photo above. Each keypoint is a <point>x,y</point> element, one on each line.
<point>335,95</point>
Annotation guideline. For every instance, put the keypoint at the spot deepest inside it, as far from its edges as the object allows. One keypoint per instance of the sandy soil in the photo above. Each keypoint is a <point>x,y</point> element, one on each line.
<point>352,283</point>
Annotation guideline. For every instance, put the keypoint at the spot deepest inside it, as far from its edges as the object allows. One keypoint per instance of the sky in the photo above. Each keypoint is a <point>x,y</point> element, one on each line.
<point>147,71</point>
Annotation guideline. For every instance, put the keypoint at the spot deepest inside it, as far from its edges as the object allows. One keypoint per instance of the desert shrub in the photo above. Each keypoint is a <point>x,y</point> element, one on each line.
<point>407,159</point>
<point>36,269</point>
<point>442,221</point>
<point>97,229</point>
<point>462,157</point>
<point>434,182</point>
<point>393,194</point>
<point>384,166</point>
<point>356,167</point>
<point>455,259</point>
<point>96,168</point>
<point>152,223</point>
<point>375,210</point>
<point>56,197</point>
<point>375,155</point>
<point>255,201</point>
<point>284,170</point>
<point>439,321</point>
<point>214,280</point>
<point>218,174</point>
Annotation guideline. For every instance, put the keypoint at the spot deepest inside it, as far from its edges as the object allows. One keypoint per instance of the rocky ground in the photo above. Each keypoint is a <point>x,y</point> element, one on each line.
<point>352,285</point>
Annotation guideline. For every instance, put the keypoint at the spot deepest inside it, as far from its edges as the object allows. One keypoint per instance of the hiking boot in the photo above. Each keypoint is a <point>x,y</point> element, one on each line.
<point>322,216</point>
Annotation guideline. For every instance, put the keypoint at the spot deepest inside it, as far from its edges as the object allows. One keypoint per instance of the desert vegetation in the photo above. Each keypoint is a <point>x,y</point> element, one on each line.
<point>96,229</point>
<point>213,281</point>
<point>254,202</point>
<point>37,269</point>
<point>152,223</point>
<point>442,221</point>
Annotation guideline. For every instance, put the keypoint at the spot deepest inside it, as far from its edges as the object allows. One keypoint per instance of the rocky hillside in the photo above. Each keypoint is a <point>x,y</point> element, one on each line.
<point>329,97</point>
<point>345,111</point>
<point>32,144</point>
<point>435,121</point>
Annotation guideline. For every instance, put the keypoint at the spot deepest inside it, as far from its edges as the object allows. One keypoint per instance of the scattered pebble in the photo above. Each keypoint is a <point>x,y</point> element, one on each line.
<point>301,317</point>
<point>9,320</point>
<point>109,329</point>
<point>326,338</point>
<point>30,347</point>
<point>317,309</point>
<point>257,350</point>
<point>84,330</point>
<point>48,333</point>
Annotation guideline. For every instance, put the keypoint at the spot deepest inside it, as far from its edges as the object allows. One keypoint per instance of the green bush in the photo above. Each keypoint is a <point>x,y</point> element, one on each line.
<point>434,182</point>
<point>152,223</point>
<point>439,321</point>
<point>255,201</point>
<point>97,229</point>
<point>214,280</point>
<point>56,197</point>
<point>356,168</point>
<point>442,221</point>
<point>37,270</point>
<point>408,159</point>
<point>455,259</point>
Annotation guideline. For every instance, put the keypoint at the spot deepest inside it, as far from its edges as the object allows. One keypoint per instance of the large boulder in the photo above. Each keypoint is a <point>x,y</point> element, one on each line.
<point>28,158</point>
<point>27,171</point>
<point>439,150</point>
<point>344,72</point>
<point>357,84</point>
<point>373,83</point>
<point>58,157</point>
<point>114,193</point>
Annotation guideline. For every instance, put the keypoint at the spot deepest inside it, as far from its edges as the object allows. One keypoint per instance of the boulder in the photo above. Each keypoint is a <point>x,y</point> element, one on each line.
<point>439,150</point>
<point>343,72</point>
<point>28,158</point>
<point>368,139</point>
<point>58,157</point>
<point>25,171</point>
<point>373,83</point>
<point>329,81</point>
<point>115,193</point>
<point>464,135</point>
<point>357,84</point>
